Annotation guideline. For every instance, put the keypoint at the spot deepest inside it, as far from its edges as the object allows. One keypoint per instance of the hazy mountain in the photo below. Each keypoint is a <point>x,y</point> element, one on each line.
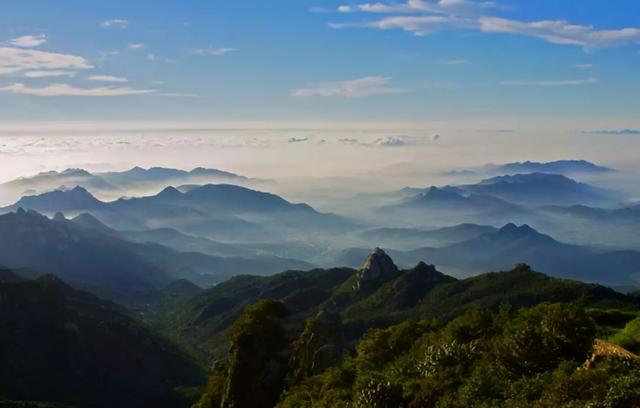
<point>564,167</point>
<point>538,189</point>
<point>92,256</point>
<point>512,244</point>
<point>63,345</point>
<point>53,179</point>
<point>117,183</point>
<point>451,199</point>
<point>219,212</point>
<point>162,175</point>
<point>76,199</point>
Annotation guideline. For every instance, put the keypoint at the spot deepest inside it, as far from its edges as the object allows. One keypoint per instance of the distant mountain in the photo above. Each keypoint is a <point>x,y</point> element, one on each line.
<point>66,346</point>
<point>452,199</point>
<point>112,183</point>
<point>76,199</point>
<point>220,212</point>
<point>50,180</point>
<point>89,255</point>
<point>512,244</point>
<point>564,167</point>
<point>163,175</point>
<point>538,189</point>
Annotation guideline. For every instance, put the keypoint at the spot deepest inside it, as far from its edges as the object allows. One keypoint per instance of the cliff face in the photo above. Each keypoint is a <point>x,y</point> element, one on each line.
<point>377,269</point>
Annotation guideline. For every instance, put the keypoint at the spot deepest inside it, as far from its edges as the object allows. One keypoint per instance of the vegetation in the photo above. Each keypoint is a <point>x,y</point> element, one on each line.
<point>513,358</point>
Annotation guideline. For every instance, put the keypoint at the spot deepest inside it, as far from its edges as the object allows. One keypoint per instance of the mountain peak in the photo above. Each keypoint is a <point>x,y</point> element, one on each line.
<point>170,192</point>
<point>378,268</point>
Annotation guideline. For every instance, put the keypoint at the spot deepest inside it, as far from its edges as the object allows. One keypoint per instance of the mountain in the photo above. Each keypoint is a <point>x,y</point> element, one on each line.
<point>219,212</point>
<point>452,199</point>
<point>563,167</point>
<point>53,179</point>
<point>91,256</point>
<point>76,199</point>
<point>114,184</point>
<point>377,294</point>
<point>539,189</point>
<point>66,346</point>
<point>512,244</point>
<point>163,175</point>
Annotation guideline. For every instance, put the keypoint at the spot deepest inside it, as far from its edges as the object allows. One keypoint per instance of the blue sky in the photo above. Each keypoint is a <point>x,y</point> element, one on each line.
<point>329,61</point>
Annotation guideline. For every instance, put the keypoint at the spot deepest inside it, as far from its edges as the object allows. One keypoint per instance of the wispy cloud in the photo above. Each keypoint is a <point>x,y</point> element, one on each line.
<point>116,22</point>
<point>19,59</point>
<point>107,78</point>
<point>137,46</point>
<point>562,32</point>
<point>68,90</point>
<point>371,85</point>
<point>28,41</point>
<point>422,17</point>
<point>48,74</point>
<point>216,52</point>
<point>562,82</point>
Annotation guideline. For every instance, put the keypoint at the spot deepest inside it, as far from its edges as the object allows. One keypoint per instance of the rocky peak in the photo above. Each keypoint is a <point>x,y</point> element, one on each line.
<point>378,268</point>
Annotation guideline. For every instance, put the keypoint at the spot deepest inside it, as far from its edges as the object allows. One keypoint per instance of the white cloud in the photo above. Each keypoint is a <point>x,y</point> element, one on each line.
<point>28,41</point>
<point>150,57</point>
<point>419,25</point>
<point>371,85</point>
<point>48,74</point>
<point>117,22</point>
<point>68,90</point>
<point>107,78</point>
<point>137,46</point>
<point>562,32</point>
<point>19,59</point>
<point>216,52</point>
<point>562,82</point>
<point>422,17</point>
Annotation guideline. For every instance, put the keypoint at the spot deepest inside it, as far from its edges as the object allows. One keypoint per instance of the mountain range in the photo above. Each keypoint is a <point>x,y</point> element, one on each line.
<point>377,294</point>
<point>563,167</point>
<point>511,244</point>
<point>92,256</point>
<point>221,212</point>
<point>113,183</point>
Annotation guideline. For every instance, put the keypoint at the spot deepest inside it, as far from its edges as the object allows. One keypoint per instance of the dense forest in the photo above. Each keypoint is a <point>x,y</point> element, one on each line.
<point>378,336</point>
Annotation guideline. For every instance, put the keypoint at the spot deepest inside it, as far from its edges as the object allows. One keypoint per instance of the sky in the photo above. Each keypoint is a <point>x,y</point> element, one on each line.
<point>283,88</point>
<point>318,61</point>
